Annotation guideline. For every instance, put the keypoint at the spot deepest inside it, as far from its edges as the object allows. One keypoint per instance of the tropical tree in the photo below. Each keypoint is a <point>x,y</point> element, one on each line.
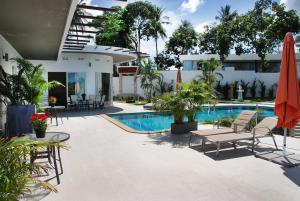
<point>225,14</point>
<point>148,76</point>
<point>113,31</point>
<point>208,72</point>
<point>164,60</point>
<point>162,86</point>
<point>298,42</point>
<point>156,25</point>
<point>28,86</point>
<point>183,40</point>
<point>262,29</point>
<point>207,39</point>
<point>138,16</point>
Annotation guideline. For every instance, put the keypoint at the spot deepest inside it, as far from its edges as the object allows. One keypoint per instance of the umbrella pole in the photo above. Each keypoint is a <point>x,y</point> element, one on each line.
<point>284,141</point>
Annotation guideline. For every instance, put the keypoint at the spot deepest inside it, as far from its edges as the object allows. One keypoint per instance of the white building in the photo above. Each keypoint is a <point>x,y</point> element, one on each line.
<point>40,31</point>
<point>244,62</point>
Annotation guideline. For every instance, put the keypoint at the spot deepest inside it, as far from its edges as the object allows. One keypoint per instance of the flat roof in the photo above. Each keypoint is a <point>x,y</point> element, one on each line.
<point>35,28</point>
<point>120,55</point>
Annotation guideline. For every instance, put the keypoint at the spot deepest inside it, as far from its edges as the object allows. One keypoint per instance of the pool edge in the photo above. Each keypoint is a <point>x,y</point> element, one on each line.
<point>128,129</point>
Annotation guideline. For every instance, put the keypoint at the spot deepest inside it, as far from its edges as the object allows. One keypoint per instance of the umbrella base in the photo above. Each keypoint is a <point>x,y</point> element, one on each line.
<point>288,160</point>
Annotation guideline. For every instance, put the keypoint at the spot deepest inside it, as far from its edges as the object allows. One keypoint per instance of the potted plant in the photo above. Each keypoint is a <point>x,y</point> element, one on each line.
<point>39,124</point>
<point>185,103</point>
<point>52,101</point>
<point>22,93</point>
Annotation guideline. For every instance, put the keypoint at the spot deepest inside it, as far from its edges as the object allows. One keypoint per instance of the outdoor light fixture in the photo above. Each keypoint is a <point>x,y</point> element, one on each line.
<point>5,56</point>
<point>90,64</point>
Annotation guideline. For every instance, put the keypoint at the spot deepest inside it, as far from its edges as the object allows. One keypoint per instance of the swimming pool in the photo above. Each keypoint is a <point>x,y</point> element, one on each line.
<point>158,121</point>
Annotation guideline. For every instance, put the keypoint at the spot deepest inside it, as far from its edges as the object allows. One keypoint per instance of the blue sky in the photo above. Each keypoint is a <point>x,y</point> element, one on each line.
<point>199,12</point>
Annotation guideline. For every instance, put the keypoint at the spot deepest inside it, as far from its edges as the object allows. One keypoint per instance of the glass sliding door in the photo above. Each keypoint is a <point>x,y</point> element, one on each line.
<point>76,84</point>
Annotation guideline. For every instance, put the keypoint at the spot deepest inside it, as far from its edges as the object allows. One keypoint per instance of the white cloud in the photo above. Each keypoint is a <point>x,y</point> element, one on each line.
<point>200,27</point>
<point>92,12</point>
<point>292,4</point>
<point>191,5</point>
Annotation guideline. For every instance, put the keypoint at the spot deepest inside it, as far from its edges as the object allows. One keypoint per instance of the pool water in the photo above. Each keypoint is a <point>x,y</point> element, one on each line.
<point>157,121</point>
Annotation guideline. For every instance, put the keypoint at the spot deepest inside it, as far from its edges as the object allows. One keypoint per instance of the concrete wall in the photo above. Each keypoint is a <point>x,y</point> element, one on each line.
<point>8,66</point>
<point>229,75</point>
<point>80,62</point>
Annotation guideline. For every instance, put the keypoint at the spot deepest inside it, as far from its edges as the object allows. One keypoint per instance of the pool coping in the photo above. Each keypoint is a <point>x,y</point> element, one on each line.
<point>131,130</point>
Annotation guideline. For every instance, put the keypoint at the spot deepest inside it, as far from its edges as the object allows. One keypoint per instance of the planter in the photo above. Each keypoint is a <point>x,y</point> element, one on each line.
<point>18,117</point>
<point>40,133</point>
<point>184,127</point>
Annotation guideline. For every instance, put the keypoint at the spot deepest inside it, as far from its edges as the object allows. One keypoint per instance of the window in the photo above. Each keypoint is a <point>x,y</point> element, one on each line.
<point>188,65</point>
<point>76,84</point>
<point>241,65</point>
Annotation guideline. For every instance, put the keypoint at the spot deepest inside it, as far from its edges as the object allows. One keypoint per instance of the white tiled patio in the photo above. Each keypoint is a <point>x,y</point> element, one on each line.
<point>109,164</point>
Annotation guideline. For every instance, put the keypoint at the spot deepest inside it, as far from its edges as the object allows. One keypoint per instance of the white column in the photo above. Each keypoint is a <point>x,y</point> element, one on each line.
<point>120,84</point>
<point>135,85</point>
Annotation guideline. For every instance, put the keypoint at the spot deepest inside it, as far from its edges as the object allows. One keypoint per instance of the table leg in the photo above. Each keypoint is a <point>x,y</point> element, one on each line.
<point>60,162</point>
<point>55,164</point>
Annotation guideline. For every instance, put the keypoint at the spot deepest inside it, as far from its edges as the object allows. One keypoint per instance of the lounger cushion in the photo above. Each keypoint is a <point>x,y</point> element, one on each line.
<point>212,131</point>
<point>229,137</point>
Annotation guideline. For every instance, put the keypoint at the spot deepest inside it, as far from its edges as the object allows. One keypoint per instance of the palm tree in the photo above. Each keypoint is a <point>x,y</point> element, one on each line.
<point>156,24</point>
<point>149,75</point>
<point>225,14</point>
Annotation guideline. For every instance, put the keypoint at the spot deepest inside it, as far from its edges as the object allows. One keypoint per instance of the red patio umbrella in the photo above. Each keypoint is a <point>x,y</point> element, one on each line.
<point>178,79</point>
<point>287,105</point>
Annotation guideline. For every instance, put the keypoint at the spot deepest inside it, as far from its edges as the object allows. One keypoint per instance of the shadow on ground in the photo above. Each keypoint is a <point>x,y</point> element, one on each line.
<point>227,151</point>
<point>176,141</point>
<point>293,174</point>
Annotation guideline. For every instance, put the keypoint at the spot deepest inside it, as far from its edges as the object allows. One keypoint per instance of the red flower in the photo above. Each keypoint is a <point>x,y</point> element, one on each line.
<point>39,117</point>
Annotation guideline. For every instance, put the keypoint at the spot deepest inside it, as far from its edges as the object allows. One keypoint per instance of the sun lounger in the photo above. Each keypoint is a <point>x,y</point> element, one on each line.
<point>263,129</point>
<point>239,124</point>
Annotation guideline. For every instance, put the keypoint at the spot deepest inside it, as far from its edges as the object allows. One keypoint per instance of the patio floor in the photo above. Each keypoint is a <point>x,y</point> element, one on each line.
<point>109,164</point>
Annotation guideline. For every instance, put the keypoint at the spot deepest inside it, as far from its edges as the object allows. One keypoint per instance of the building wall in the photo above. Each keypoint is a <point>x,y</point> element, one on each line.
<point>81,62</point>
<point>8,66</point>
<point>190,61</point>
<point>229,75</point>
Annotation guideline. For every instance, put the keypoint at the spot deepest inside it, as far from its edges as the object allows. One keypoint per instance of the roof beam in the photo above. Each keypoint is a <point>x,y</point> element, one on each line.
<point>82,24</point>
<point>96,8</point>
<point>70,39</point>
<point>91,17</point>
<point>67,48</point>
<point>83,31</point>
<point>75,46</point>
<point>118,49</point>
<point>81,36</point>
<point>75,43</point>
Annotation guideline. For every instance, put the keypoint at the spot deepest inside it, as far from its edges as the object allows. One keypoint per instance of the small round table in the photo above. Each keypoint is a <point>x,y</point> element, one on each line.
<point>53,111</point>
<point>53,138</point>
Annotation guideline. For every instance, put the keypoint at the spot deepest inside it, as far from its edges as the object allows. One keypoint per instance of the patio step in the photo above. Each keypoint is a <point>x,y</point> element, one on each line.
<point>296,131</point>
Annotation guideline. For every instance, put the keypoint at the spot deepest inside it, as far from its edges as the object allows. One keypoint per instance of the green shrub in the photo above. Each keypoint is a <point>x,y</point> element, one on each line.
<point>225,91</point>
<point>262,87</point>
<point>208,121</point>
<point>16,172</point>
<point>226,122</point>
<point>253,88</point>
